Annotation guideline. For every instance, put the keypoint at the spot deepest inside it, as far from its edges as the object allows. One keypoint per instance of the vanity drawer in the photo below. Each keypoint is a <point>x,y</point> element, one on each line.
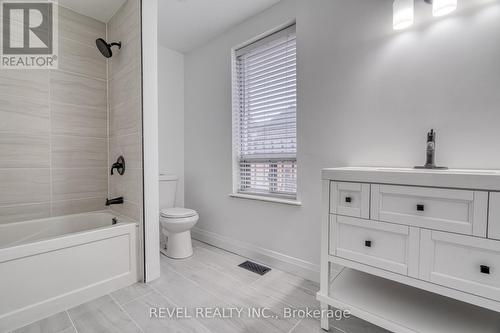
<point>458,211</point>
<point>350,199</point>
<point>386,246</point>
<point>465,263</point>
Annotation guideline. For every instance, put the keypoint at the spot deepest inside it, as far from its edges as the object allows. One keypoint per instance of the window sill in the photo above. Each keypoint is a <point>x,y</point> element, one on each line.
<point>290,202</point>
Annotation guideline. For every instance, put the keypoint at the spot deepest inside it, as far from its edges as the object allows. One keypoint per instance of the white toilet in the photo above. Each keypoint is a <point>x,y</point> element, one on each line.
<point>175,222</point>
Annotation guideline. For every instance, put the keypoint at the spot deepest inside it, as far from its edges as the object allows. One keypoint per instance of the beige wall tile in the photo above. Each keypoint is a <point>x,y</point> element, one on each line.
<point>78,206</point>
<point>19,213</point>
<point>83,59</point>
<point>78,90</point>
<point>75,120</point>
<point>23,150</point>
<point>125,87</point>
<point>125,123</point>
<point>129,209</point>
<point>24,186</point>
<point>128,186</point>
<point>79,152</point>
<point>80,28</point>
<point>31,84</point>
<point>124,59</point>
<point>22,115</point>
<point>125,24</point>
<point>70,184</point>
<point>130,147</point>
<point>126,118</point>
<point>65,109</point>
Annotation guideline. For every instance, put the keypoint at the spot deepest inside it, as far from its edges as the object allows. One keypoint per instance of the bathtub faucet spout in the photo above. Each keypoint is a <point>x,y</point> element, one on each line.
<point>115,201</point>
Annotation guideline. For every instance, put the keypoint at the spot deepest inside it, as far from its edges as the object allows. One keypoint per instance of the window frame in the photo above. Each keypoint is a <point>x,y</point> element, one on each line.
<point>236,192</point>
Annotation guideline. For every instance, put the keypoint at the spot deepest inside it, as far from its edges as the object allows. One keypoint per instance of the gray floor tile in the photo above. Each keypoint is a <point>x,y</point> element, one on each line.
<point>100,316</point>
<point>139,310</point>
<point>130,293</point>
<point>209,279</point>
<point>288,288</point>
<point>57,323</point>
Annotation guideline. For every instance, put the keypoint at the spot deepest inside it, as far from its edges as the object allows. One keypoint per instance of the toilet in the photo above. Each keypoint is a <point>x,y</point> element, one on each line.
<point>175,222</point>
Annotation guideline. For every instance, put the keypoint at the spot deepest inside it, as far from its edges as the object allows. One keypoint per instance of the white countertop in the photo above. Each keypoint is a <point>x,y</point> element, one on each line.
<point>451,178</point>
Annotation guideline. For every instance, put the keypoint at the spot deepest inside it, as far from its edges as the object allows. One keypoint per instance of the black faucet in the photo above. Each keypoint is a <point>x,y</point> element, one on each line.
<point>430,153</point>
<point>119,165</point>
<point>115,201</point>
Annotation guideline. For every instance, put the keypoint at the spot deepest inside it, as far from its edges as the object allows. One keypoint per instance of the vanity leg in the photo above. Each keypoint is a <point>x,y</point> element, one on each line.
<point>325,323</point>
<point>325,263</point>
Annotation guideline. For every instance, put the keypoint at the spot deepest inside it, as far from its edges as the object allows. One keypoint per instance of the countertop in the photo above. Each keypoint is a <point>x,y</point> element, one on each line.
<point>450,178</point>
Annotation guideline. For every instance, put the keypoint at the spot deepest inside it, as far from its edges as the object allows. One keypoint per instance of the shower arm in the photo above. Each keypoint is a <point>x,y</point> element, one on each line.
<point>119,44</point>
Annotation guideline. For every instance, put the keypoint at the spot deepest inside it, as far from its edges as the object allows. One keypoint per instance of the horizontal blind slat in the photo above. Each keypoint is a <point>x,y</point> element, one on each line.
<point>266,88</point>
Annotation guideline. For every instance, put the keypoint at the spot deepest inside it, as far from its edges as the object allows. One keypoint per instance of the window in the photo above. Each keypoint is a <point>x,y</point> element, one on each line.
<point>265,116</point>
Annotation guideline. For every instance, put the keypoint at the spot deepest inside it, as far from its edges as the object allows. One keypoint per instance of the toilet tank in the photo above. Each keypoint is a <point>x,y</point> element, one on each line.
<point>168,188</point>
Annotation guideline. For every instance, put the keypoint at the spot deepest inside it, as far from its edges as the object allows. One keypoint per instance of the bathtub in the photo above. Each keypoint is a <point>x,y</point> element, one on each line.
<point>49,265</point>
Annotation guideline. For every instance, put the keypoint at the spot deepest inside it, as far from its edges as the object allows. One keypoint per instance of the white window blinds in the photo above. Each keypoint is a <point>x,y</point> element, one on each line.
<point>266,115</point>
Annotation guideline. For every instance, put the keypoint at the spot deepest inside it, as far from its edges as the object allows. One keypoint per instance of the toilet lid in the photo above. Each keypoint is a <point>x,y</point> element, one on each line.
<point>177,212</point>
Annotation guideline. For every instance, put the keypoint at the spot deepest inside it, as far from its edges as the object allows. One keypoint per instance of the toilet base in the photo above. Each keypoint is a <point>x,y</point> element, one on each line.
<point>179,245</point>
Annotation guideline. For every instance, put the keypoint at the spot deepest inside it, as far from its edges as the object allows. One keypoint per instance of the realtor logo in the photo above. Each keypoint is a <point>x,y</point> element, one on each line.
<point>29,34</point>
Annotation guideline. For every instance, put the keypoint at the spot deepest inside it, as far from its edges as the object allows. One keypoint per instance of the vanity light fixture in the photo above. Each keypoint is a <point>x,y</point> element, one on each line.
<point>442,7</point>
<point>403,14</point>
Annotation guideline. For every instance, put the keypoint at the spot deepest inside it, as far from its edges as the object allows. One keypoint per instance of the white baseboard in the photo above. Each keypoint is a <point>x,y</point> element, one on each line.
<point>299,267</point>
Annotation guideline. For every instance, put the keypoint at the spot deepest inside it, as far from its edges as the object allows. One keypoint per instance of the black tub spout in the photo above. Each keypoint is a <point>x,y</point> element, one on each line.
<point>115,201</point>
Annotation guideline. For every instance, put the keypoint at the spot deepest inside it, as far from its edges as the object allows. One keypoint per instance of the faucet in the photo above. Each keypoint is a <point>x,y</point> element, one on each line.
<point>115,201</point>
<point>430,154</point>
<point>430,161</point>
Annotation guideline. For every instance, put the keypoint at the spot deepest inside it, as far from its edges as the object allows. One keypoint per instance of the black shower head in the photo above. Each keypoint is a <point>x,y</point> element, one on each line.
<point>105,48</point>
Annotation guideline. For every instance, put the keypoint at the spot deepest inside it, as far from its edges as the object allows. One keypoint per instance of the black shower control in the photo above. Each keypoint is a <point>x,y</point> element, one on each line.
<point>368,243</point>
<point>485,269</point>
<point>348,199</point>
<point>119,165</point>
<point>420,208</point>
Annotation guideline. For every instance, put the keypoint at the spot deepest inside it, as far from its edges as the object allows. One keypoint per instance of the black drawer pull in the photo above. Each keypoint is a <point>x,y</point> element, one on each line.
<point>485,269</point>
<point>420,208</point>
<point>368,243</point>
<point>348,199</point>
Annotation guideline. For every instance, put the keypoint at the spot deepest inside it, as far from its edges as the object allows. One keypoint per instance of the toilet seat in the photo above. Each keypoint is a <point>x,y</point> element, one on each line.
<point>177,213</point>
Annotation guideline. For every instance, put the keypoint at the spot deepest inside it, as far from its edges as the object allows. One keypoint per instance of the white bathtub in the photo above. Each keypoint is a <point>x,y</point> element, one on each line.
<point>49,265</point>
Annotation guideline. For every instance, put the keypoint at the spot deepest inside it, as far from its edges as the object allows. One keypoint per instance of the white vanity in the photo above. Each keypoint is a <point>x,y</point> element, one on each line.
<point>400,246</point>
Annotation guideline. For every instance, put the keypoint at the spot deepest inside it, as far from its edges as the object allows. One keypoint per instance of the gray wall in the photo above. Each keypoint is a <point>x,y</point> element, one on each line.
<point>53,129</point>
<point>125,109</point>
<point>171,116</point>
<point>367,95</point>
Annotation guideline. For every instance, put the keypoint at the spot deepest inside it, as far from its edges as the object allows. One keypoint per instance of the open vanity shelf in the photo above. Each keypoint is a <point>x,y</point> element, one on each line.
<point>401,246</point>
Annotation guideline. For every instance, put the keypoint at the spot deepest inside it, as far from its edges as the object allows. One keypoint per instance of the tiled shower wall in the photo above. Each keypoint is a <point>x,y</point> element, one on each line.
<point>54,129</point>
<point>125,109</point>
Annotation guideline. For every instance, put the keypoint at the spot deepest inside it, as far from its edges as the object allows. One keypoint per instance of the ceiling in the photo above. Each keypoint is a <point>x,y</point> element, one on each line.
<point>187,24</point>
<point>101,10</point>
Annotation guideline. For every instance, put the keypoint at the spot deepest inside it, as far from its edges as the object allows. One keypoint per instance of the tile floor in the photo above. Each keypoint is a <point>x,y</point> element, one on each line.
<point>212,279</point>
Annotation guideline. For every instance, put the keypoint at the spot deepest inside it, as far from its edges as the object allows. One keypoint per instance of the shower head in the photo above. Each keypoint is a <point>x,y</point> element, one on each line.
<point>105,48</point>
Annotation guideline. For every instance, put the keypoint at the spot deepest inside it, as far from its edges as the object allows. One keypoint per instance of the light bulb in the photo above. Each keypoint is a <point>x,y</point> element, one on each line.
<point>443,7</point>
<point>403,14</point>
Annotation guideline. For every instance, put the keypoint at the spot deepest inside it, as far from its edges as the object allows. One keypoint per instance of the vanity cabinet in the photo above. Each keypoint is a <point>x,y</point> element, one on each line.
<point>433,231</point>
